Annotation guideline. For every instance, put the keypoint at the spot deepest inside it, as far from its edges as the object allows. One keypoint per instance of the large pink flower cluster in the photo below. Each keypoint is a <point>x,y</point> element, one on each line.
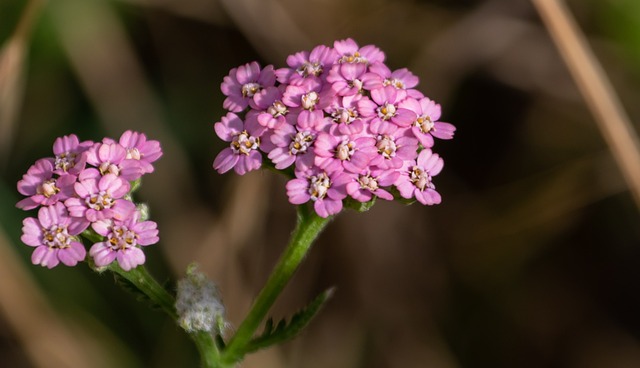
<point>341,119</point>
<point>88,184</point>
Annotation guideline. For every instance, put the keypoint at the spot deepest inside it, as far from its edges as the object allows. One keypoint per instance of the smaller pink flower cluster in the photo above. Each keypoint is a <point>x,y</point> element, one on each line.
<point>88,184</point>
<point>347,125</point>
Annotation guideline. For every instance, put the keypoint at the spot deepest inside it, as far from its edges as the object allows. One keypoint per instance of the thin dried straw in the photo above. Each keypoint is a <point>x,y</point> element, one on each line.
<point>596,90</point>
<point>48,340</point>
<point>12,59</point>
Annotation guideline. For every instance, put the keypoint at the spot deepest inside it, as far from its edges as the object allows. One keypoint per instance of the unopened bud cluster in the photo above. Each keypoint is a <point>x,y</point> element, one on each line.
<point>198,303</point>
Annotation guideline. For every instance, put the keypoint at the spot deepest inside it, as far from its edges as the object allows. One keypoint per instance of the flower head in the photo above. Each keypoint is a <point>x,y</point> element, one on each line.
<point>325,190</point>
<point>138,148</point>
<point>243,83</point>
<point>100,198</point>
<point>242,155</point>
<point>426,124</point>
<point>97,196</point>
<point>306,64</point>
<point>111,158</point>
<point>43,187</point>
<point>124,239</point>
<point>339,121</point>
<point>415,180</point>
<point>349,52</point>
<point>69,154</point>
<point>53,234</point>
<point>369,183</point>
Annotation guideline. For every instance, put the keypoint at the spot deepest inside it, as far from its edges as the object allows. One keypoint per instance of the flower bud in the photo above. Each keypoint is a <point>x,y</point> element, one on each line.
<point>198,303</point>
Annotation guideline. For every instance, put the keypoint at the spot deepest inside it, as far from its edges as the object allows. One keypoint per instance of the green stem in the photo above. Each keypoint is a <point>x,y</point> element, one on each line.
<point>308,228</point>
<point>141,278</point>
<point>209,354</point>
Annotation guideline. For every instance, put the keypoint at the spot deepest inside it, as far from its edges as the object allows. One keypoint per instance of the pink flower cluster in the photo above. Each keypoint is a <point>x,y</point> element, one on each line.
<point>88,184</point>
<point>347,124</point>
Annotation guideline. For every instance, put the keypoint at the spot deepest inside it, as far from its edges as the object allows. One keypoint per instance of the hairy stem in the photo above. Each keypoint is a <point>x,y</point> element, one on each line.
<point>308,228</point>
<point>140,277</point>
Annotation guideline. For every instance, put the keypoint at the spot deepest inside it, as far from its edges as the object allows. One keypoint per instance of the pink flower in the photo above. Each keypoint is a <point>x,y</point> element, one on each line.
<point>292,145</point>
<point>338,153</point>
<point>268,108</point>
<point>426,125</point>
<point>349,52</point>
<point>381,76</point>
<point>140,149</point>
<point>325,190</point>
<point>394,145</point>
<point>111,158</point>
<point>310,97</point>
<point>242,155</point>
<point>370,183</point>
<point>100,198</point>
<point>415,178</point>
<point>69,152</point>
<point>243,83</point>
<point>346,79</point>
<point>42,188</point>
<point>384,107</point>
<point>306,64</point>
<point>53,234</point>
<point>124,239</point>
<point>344,117</point>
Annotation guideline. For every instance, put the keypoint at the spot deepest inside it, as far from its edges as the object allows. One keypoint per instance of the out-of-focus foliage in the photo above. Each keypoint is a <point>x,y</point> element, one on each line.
<point>620,21</point>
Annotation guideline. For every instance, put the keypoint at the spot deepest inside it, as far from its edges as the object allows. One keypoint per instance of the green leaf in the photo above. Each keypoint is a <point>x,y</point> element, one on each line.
<point>286,331</point>
<point>359,206</point>
<point>92,236</point>
<point>398,198</point>
<point>139,294</point>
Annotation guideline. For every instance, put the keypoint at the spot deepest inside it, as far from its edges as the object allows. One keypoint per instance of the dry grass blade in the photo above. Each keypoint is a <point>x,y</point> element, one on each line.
<point>596,89</point>
<point>268,25</point>
<point>46,338</point>
<point>12,59</point>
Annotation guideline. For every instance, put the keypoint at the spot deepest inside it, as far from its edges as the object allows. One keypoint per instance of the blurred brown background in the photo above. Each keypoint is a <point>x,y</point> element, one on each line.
<point>532,259</point>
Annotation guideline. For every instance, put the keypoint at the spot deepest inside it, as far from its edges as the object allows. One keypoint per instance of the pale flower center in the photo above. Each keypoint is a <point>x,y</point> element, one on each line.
<point>56,237</point>
<point>424,123</point>
<point>277,109</point>
<point>393,82</point>
<point>109,168</point>
<point>133,153</point>
<point>243,143</point>
<point>344,116</point>
<point>48,188</point>
<point>65,161</point>
<point>386,111</point>
<point>309,68</point>
<point>421,179</point>
<point>100,201</point>
<point>250,89</point>
<point>367,182</point>
<point>352,58</point>
<point>345,150</point>
<point>121,238</point>
<point>319,186</point>
<point>300,143</point>
<point>357,83</point>
<point>309,100</point>
<point>386,146</point>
